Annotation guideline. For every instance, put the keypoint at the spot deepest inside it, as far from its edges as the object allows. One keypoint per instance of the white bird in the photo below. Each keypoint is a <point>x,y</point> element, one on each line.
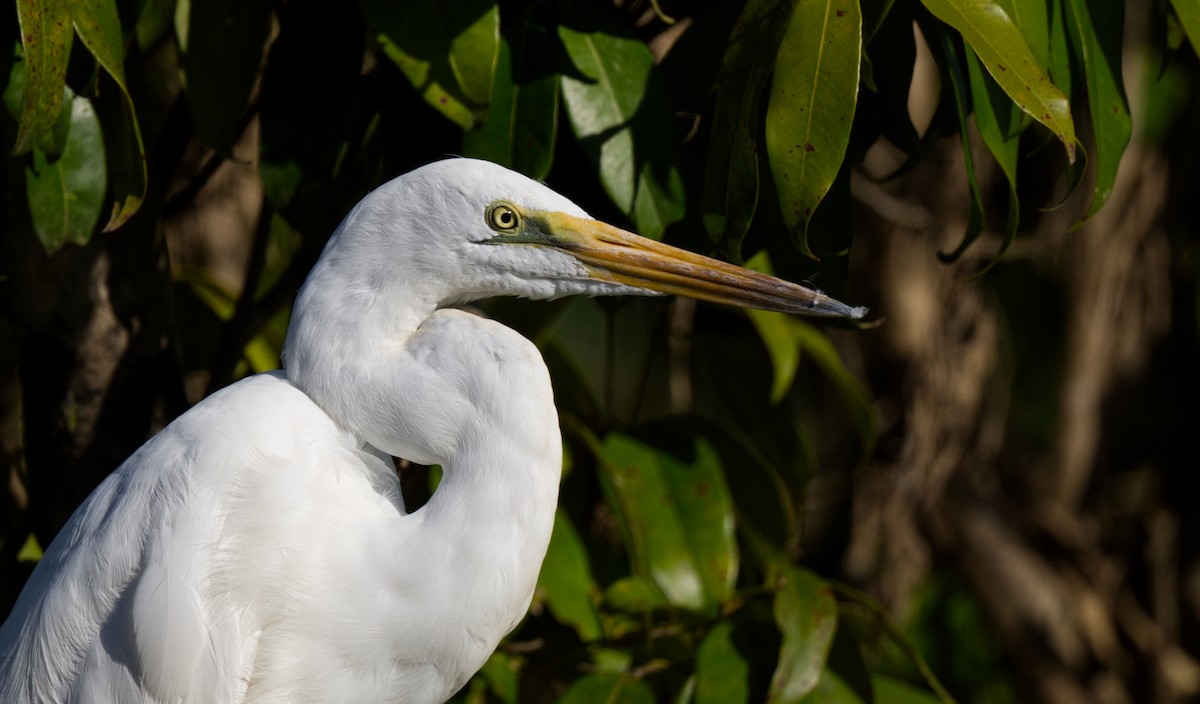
<point>258,548</point>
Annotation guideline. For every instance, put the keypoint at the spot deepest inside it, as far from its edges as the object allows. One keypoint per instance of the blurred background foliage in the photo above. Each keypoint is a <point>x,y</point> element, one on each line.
<point>990,484</point>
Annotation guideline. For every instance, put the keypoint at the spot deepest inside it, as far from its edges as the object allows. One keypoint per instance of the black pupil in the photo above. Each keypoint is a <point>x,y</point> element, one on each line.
<point>506,218</point>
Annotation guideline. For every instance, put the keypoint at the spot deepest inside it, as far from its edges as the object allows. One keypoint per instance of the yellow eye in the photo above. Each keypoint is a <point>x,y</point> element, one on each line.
<point>503,217</point>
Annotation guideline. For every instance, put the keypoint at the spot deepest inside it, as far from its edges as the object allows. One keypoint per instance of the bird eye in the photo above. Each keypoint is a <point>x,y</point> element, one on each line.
<point>503,217</point>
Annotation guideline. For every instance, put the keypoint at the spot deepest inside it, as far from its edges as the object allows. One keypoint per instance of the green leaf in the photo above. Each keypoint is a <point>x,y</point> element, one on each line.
<point>1188,12</point>
<point>811,108</point>
<point>858,402</point>
<point>99,29</point>
<point>221,44</point>
<point>678,516</point>
<point>832,689</point>
<point>806,614</point>
<point>731,171</point>
<point>775,329</point>
<point>522,119</point>
<point>1033,19</point>
<point>998,120</point>
<point>52,142</point>
<point>787,337</point>
<point>608,688</point>
<point>1096,39</point>
<point>66,194</point>
<point>1060,48</point>
<point>945,48</point>
<point>889,690</point>
<point>722,674</point>
<point>31,551</point>
<point>878,620</point>
<point>448,51</point>
<point>46,42</point>
<point>634,595</point>
<point>998,42</point>
<point>566,583</point>
<point>619,112</point>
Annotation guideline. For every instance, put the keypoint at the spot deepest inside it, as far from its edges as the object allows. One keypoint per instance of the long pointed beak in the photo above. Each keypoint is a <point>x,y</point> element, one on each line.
<point>612,254</point>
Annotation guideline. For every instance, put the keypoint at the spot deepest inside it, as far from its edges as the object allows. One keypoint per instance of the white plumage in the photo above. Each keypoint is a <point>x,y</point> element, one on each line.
<point>258,549</point>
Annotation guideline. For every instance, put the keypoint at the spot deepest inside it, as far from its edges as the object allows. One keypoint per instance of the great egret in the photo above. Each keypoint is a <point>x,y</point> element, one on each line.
<point>258,548</point>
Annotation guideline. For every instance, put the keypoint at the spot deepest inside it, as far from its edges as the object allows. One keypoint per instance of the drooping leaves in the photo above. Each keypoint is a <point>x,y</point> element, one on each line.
<point>46,43</point>
<point>998,121</point>
<point>1095,31</point>
<point>66,193</point>
<point>52,141</point>
<point>731,172</point>
<point>806,614</point>
<point>448,51</point>
<point>678,516</point>
<point>813,94</point>
<point>947,50</point>
<point>618,110</point>
<point>522,118</point>
<point>999,44</point>
<point>99,29</point>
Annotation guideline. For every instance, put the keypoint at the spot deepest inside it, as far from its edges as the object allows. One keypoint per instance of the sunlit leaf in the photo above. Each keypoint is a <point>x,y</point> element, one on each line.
<point>775,329</point>
<point>678,516</point>
<point>1188,12</point>
<point>522,118</point>
<point>566,583</point>
<point>221,45</point>
<point>46,42</point>
<point>806,614</point>
<point>31,550</point>
<point>66,195</point>
<point>998,42</point>
<point>1095,30</point>
<point>99,29</point>
<point>722,674</point>
<point>619,112</point>
<point>731,170</point>
<point>448,51</point>
<point>813,95</point>
<point>608,688</point>
<point>1033,19</point>
<point>262,355</point>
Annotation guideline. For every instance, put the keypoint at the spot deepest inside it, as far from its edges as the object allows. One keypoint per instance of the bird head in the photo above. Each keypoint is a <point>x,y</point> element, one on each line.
<point>468,229</point>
